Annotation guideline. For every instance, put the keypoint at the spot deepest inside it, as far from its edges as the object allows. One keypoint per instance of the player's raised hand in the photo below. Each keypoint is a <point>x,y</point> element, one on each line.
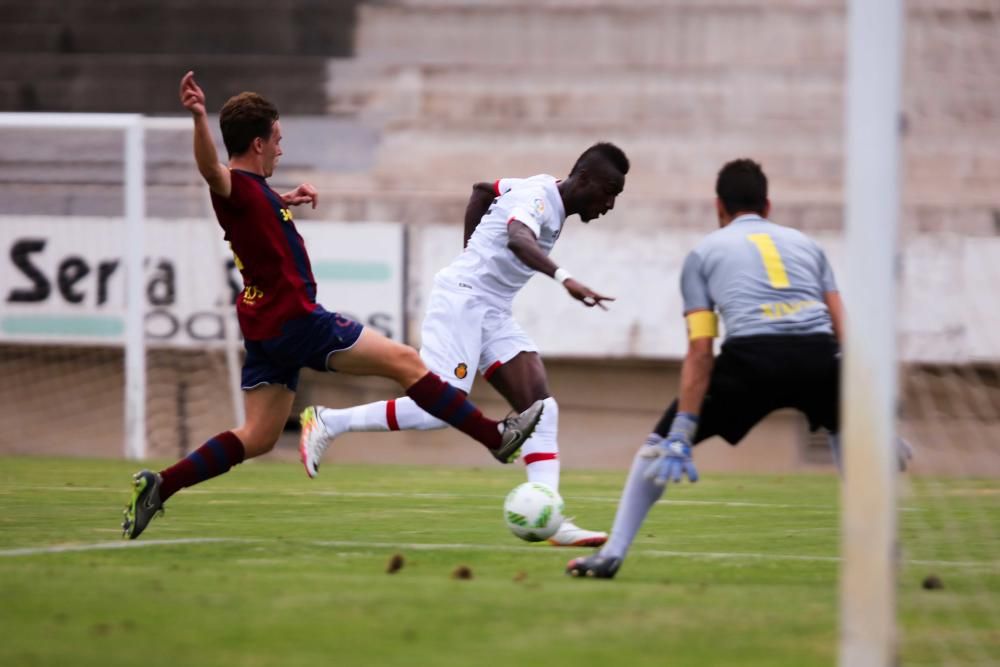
<point>585,295</point>
<point>192,96</point>
<point>304,194</point>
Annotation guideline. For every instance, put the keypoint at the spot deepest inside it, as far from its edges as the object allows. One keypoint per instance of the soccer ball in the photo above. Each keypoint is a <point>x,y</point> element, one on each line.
<point>533,511</point>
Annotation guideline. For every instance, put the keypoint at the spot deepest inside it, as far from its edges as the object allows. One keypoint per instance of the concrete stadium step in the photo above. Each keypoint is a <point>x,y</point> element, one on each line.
<point>29,38</point>
<point>670,163</point>
<point>356,201</point>
<point>125,55</point>
<point>258,27</point>
<point>145,83</point>
<point>782,103</point>
<point>676,164</point>
<point>567,97</point>
<point>63,172</point>
<point>628,33</point>
<point>734,33</point>
<point>776,101</point>
<point>311,143</point>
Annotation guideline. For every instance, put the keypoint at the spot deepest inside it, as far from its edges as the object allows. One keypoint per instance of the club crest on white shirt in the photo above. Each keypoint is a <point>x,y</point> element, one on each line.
<point>539,207</point>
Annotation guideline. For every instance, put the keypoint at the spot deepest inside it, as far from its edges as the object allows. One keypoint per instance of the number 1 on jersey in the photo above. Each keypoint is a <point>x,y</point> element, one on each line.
<point>772,259</point>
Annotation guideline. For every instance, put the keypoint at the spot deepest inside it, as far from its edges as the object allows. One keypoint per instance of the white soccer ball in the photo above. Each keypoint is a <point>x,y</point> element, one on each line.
<point>533,511</point>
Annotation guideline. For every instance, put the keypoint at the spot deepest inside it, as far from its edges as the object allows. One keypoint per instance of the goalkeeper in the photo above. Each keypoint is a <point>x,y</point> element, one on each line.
<point>783,318</point>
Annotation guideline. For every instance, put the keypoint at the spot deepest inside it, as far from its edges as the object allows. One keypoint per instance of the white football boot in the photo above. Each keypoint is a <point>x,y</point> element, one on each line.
<point>314,439</point>
<point>571,535</point>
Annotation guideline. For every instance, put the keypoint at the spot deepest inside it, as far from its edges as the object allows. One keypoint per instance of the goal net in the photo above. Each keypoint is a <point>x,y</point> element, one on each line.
<point>949,506</point>
<point>115,330</point>
<point>944,538</point>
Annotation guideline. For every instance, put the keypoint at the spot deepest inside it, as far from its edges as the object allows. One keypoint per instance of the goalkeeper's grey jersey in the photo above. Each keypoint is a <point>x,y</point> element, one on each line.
<point>762,278</point>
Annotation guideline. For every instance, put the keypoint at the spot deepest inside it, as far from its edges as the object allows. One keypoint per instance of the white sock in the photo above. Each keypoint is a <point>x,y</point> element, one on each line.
<point>541,450</point>
<point>336,421</point>
<point>411,417</point>
<point>403,413</point>
<point>638,496</point>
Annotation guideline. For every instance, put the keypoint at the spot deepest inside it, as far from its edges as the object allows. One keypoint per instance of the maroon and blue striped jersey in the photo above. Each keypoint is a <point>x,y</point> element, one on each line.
<point>278,283</point>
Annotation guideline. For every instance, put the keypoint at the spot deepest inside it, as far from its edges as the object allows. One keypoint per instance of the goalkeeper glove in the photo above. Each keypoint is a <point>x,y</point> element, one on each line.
<point>671,458</point>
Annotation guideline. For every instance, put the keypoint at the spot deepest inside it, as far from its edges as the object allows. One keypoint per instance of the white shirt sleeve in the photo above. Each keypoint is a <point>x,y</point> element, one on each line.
<point>505,185</point>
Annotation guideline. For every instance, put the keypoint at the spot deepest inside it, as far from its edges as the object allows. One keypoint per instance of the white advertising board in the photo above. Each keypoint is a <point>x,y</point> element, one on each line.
<point>947,311</point>
<point>62,280</point>
<point>642,272</point>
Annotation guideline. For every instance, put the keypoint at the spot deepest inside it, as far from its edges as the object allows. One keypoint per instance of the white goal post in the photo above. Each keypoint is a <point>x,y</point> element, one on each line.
<point>869,394</point>
<point>134,127</point>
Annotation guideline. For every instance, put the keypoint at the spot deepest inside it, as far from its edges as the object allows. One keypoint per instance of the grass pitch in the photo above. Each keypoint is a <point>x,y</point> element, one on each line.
<point>265,567</point>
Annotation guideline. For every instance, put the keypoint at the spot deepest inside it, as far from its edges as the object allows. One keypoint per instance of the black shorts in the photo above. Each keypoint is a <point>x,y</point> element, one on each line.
<point>756,375</point>
<point>305,342</point>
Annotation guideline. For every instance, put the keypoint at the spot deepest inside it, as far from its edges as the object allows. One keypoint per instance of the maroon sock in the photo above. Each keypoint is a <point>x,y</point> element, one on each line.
<point>451,405</point>
<point>210,460</point>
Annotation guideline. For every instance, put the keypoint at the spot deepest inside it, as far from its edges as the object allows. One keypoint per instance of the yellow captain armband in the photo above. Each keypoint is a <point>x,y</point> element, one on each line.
<point>702,324</point>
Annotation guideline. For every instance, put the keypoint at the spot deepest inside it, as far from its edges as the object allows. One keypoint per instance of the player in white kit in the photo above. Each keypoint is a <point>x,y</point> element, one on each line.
<point>468,327</point>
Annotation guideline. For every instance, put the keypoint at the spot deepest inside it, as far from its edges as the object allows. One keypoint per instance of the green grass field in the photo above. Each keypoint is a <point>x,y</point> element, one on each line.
<point>265,567</point>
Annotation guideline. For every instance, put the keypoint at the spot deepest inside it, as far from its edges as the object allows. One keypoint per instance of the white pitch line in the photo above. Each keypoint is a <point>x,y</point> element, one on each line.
<point>107,546</point>
<point>459,546</point>
<point>661,553</point>
<point>440,496</point>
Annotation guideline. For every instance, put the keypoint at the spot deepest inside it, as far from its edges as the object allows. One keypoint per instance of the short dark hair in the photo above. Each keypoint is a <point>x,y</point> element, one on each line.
<point>605,151</point>
<point>742,186</point>
<point>243,118</point>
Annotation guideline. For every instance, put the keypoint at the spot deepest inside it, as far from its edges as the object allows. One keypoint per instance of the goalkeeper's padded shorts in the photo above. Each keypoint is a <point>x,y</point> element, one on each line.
<point>756,375</point>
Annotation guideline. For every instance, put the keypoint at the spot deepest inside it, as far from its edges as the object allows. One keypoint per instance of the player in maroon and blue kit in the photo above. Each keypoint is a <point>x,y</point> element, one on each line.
<point>284,329</point>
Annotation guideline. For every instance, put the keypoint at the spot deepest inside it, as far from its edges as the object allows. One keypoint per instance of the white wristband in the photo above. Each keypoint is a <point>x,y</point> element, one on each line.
<point>562,275</point>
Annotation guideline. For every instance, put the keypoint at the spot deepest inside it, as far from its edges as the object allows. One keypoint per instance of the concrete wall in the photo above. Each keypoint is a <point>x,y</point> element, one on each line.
<point>947,310</point>
<point>470,91</point>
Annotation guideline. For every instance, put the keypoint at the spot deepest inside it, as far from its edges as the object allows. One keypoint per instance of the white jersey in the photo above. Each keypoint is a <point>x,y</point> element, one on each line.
<point>487,266</point>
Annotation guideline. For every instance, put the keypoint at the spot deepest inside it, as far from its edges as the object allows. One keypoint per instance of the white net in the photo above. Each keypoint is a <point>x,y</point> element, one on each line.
<point>63,284</point>
<point>949,520</point>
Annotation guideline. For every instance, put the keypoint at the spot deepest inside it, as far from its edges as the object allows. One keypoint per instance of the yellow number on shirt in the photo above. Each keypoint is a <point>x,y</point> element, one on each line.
<point>772,259</point>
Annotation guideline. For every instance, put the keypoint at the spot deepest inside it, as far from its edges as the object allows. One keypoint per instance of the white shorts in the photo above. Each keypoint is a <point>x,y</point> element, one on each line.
<point>463,333</point>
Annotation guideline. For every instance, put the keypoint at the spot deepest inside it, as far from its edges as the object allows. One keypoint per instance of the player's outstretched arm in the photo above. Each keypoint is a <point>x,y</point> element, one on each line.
<point>696,371</point>
<point>521,241</point>
<point>304,194</point>
<point>482,196</point>
<point>215,174</point>
<point>670,459</point>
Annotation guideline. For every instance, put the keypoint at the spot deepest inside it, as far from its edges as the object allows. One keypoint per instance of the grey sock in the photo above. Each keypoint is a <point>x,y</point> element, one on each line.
<point>637,497</point>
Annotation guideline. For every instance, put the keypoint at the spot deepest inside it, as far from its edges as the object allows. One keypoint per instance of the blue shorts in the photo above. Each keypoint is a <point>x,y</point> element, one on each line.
<point>304,342</point>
